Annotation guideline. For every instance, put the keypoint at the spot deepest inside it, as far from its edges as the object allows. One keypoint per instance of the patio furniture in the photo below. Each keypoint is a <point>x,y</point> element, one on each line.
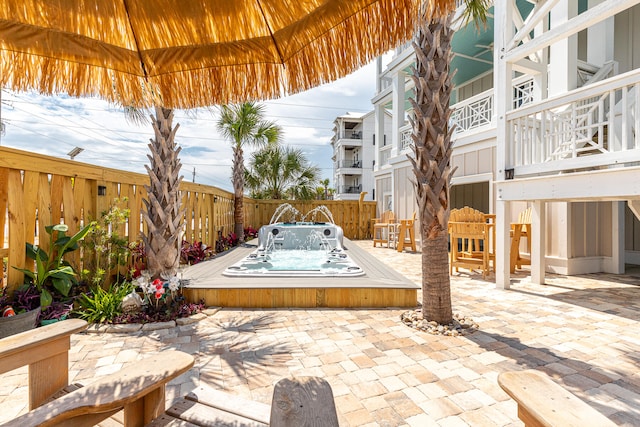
<point>381,228</point>
<point>135,395</point>
<point>542,402</point>
<point>404,234</point>
<point>46,351</point>
<point>520,229</point>
<point>472,237</point>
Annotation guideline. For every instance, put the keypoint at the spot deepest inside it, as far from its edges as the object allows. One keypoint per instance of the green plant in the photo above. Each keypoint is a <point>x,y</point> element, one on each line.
<point>53,272</point>
<point>102,306</point>
<point>107,250</point>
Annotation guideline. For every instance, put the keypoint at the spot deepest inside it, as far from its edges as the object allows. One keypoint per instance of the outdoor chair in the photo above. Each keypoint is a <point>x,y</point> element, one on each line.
<point>404,234</point>
<point>381,228</point>
<point>471,235</point>
<point>135,395</point>
<point>520,229</point>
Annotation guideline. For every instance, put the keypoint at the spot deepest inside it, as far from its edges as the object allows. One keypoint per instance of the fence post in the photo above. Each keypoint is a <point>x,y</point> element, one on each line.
<point>362,222</point>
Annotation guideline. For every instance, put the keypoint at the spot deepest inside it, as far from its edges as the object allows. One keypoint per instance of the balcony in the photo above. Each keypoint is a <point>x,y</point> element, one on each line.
<point>595,126</point>
<point>351,134</point>
<point>349,166</point>
<point>350,189</point>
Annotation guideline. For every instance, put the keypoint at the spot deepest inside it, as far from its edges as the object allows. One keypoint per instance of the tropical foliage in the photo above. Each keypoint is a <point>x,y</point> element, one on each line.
<point>103,305</point>
<point>52,273</point>
<point>244,125</point>
<point>193,253</point>
<point>324,192</point>
<point>277,172</point>
<point>105,246</point>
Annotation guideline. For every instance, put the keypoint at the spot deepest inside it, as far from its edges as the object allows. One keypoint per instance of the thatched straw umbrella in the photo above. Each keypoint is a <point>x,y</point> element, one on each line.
<point>185,54</point>
<point>190,53</point>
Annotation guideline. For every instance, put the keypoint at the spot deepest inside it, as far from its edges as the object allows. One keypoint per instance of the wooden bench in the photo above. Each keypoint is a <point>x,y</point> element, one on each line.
<point>542,402</point>
<point>135,395</point>
<point>46,351</point>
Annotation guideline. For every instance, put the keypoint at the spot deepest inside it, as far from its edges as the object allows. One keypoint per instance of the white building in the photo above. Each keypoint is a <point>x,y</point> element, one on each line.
<point>546,106</point>
<point>354,144</point>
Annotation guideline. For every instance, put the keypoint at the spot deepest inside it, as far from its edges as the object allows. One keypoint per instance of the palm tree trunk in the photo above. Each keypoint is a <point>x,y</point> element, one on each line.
<point>163,214</point>
<point>432,161</point>
<point>238,193</point>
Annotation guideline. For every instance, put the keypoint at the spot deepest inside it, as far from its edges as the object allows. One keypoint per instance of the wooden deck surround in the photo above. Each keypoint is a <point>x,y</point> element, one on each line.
<point>379,287</point>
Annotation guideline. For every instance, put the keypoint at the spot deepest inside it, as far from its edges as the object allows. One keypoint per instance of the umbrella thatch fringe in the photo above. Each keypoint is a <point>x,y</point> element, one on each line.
<point>25,72</point>
<point>347,47</point>
<point>369,29</point>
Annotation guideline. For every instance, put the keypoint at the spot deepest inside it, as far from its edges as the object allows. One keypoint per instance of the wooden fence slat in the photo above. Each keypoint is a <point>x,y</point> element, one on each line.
<point>30,203</point>
<point>16,228</point>
<point>56,199</point>
<point>44,211</point>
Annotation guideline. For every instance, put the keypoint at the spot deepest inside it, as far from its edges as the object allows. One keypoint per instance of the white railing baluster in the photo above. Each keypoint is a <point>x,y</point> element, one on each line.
<point>625,115</point>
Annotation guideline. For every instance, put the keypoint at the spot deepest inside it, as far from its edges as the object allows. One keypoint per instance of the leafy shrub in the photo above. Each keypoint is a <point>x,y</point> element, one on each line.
<point>103,306</point>
<point>138,258</point>
<point>57,310</point>
<point>150,314</point>
<point>53,274</point>
<point>232,240</point>
<point>250,233</point>
<point>25,298</point>
<point>108,250</point>
<point>191,254</point>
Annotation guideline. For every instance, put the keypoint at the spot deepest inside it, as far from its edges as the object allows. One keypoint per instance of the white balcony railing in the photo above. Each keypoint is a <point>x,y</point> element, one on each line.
<point>597,125</point>
<point>477,111</point>
<point>405,137</point>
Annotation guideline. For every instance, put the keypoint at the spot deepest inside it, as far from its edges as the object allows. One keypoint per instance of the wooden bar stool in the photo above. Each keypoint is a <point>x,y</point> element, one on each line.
<point>406,236</point>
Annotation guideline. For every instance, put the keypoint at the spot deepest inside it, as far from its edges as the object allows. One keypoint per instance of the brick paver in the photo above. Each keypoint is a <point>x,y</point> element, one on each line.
<point>581,330</point>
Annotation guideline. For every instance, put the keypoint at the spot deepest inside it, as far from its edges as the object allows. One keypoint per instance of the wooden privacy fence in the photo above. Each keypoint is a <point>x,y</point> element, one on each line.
<point>37,191</point>
<point>352,215</point>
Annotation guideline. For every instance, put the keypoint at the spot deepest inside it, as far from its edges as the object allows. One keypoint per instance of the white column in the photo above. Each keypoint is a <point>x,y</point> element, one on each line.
<point>600,39</point>
<point>397,121</point>
<point>538,242</point>
<point>502,76</point>
<point>503,240</point>
<point>379,133</point>
<point>617,237</point>
<point>378,74</point>
<point>540,81</point>
<point>563,55</point>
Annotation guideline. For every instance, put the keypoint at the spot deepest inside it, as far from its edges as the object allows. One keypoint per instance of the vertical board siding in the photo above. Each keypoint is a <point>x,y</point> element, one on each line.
<point>37,191</point>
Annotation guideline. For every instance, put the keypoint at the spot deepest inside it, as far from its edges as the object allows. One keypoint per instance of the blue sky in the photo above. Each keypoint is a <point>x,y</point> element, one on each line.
<point>54,125</point>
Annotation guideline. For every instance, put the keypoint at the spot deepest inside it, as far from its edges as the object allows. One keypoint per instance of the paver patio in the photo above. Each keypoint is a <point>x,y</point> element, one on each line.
<point>584,331</point>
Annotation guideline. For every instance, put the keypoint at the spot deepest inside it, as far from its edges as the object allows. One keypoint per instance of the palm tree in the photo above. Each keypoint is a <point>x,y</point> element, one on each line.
<point>432,151</point>
<point>276,173</point>
<point>325,184</point>
<point>163,213</point>
<point>244,124</point>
